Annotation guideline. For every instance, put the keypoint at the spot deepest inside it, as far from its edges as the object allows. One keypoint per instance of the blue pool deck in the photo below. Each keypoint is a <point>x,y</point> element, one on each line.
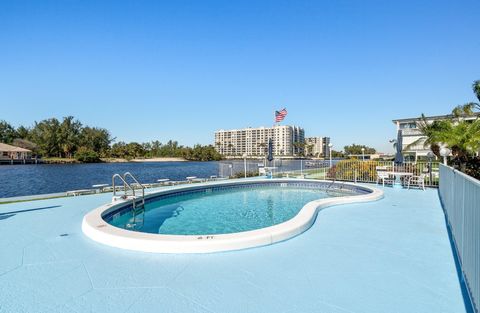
<point>393,255</point>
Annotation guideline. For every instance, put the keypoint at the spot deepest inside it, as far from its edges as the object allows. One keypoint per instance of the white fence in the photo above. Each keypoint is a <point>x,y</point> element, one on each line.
<point>460,196</point>
<point>344,170</point>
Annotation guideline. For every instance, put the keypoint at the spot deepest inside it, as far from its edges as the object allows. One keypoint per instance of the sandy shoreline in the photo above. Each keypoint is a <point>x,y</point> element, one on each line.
<point>112,160</point>
<point>160,160</point>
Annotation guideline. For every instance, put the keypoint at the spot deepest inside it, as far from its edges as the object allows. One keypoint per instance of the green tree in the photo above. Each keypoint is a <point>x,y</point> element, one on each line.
<point>264,148</point>
<point>156,146</point>
<point>357,149</point>
<point>433,132</point>
<point>147,148</point>
<point>46,135</point>
<point>461,136</point>
<point>337,154</point>
<point>135,150</point>
<point>69,135</point>
<point>469,108</point>
<point>299,148</point>
<point>201,153</point>
<point>309,149</point>
<point>87,155</point>
<point>23,132</point>
<point>119,150</point>
<point>7,132</point>
<point>96,139</point>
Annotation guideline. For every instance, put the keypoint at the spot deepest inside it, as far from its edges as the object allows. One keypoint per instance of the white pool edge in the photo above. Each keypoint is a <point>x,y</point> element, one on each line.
<point>94,227</point>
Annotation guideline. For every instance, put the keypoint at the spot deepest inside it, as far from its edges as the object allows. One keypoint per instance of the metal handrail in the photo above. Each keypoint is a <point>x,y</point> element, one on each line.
<point>128,174</point>
<point>125,185</point>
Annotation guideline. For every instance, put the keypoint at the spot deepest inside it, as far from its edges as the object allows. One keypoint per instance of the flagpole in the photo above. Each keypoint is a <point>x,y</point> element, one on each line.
<point>273,132</point>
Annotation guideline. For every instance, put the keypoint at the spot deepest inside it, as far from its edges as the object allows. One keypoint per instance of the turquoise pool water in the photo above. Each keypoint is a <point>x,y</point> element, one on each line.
<point>219,211</point>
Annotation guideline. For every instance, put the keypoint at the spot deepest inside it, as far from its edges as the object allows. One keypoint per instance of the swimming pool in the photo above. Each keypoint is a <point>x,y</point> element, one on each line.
<point>219,216</point>
<point>221,210</point>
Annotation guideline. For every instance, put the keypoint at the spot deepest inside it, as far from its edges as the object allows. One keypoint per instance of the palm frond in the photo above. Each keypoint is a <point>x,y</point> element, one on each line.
<point>466,109</point>
<point>476,90</point>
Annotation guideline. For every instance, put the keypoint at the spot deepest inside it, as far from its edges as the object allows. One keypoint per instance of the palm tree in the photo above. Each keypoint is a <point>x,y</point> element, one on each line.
<point>433,133</point>
<point>469,108</point>
<point>69,135</point>
<point>309,149</point>
<point>299,147</point>
<point>462,137</point>
<point>476,88</point>
<point>263,145</point>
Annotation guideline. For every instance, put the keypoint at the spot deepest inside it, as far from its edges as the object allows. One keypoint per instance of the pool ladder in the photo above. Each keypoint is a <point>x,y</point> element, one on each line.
<point>334,180</point>
<point>138,211</point>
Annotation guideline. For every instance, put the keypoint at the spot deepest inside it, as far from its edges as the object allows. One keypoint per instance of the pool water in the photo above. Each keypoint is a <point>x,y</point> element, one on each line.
<point>219,211</point>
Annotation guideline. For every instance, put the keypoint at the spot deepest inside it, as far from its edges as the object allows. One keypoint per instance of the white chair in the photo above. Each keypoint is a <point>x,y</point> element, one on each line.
<point>383,176</point>
<point>418,181</point>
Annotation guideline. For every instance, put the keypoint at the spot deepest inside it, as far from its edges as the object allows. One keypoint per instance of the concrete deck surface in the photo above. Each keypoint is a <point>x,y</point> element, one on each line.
<point>392,255</point>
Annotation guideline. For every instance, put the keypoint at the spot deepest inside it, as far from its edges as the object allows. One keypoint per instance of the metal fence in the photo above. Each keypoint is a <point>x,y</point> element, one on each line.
<point>460,196</point>
<point>344,170</point>
<point>366,171</point>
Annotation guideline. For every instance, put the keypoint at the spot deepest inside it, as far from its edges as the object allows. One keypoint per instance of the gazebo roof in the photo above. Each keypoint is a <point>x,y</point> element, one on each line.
<point>9,148</point>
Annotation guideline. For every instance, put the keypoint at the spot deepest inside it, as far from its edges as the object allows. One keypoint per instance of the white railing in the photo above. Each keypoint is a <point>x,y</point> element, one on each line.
<point>460,196</point>
<point>366,171</point>
<point>344,170</point>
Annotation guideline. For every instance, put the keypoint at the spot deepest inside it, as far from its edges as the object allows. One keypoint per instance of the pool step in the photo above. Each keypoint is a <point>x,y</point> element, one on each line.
<point>138,217</point>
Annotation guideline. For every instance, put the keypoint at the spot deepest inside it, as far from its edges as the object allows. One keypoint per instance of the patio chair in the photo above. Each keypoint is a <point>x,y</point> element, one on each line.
<point>383,176</point>
<point>418,181</point>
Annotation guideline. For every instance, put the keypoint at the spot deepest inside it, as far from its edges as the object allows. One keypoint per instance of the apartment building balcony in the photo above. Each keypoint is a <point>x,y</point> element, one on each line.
<point>411,132</point>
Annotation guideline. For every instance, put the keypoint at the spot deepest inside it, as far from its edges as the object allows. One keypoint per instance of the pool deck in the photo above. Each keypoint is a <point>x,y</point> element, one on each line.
<point>393,255</point>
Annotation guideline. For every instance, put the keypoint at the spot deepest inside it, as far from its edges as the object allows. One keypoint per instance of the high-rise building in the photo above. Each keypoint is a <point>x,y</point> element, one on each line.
<point>254,141</point>
<point>318,146</point>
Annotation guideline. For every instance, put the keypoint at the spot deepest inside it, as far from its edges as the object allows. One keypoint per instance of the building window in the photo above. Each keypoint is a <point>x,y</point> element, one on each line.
<point>408,125</point>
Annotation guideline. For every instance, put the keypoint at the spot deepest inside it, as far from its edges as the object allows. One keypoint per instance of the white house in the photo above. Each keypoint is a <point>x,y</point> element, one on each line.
<point>410,133</point>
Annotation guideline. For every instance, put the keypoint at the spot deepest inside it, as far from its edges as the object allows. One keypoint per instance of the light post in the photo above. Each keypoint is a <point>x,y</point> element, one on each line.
<point>330,146</point>
<point>245,164</point>
<point>445,152</point>
<point>363,154</point>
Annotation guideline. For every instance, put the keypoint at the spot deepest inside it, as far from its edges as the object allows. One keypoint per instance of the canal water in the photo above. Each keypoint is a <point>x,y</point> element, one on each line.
<point>24,180</point>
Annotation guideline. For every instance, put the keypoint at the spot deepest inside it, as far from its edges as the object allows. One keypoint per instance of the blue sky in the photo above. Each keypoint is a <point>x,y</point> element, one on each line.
<point>182,69</point>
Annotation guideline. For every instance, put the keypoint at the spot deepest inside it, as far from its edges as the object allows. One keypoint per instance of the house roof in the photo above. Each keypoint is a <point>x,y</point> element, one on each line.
<point>9,148</point>
<point>436,117</point>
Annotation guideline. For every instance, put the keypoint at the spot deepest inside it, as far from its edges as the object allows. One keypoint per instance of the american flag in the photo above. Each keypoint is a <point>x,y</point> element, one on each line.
<point>280,115</point>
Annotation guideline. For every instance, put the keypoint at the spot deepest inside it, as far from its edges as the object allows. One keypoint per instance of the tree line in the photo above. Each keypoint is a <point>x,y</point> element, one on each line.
<point>69,138</point>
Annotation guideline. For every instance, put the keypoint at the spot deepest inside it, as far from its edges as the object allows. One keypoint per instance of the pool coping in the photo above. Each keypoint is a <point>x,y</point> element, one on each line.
<point>97,229</point>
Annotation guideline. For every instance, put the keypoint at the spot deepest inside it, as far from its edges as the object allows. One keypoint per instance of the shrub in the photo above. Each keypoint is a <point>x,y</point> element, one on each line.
<point>86,155</point>
<point>472,166</point>
<point>242,174</point>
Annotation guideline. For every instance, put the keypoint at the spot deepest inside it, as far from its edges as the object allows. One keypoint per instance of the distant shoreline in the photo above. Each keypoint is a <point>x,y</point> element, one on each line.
<point>160,160</point>
<point>112,160</point>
